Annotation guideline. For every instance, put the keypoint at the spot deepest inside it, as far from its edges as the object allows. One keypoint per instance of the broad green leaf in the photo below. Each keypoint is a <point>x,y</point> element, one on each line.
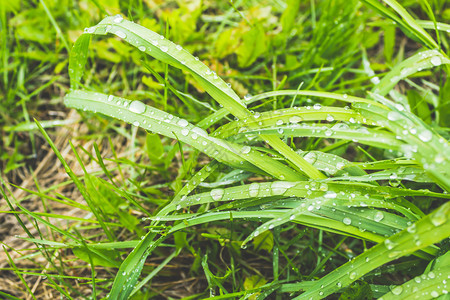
<point>252,46</point>
<point>97,260</point>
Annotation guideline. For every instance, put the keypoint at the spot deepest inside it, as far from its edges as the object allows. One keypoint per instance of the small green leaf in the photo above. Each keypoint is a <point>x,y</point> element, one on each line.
<point>253,45</point>
<point>389,42</point>
<point>264,241</point>
<point>97,260</point>
<point>155,150</point>
<point>359,290</point>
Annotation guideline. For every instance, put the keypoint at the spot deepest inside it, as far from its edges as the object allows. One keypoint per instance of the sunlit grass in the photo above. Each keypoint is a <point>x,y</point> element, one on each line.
<point>325,181</point>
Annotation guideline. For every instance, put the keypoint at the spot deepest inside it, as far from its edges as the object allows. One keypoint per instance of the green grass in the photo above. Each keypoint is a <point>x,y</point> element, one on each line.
<point>300,155</point>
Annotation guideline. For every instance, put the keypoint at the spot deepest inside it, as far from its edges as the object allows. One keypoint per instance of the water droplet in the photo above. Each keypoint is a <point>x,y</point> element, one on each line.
<point>431,275</point>
<point>426,135</point>
<point>110,98</point>
<point>393,176</point>
<point>246,149</point>
<point>389,244</point>
<point>317,106</point>
<point>137,107</point>
<point>194,136</point>
<point>397,290</point>
<point>345,96</point>
<point>393,116</point>
<point>340,165</point>
<point>184,131</point>
<point>378,216</point>
<point>121,34</point>
<point>182,122</point>
<point>295,119</point>
<point>310,157</point>
<point>141,48</point>
<point>330,195</point>
<point>436,61</point>
<point>330,118</point>
<point>434,294</point>
<point>178,47</point>
<point>329,132</point>
<point>280,187</point>
<point>253,189</point>
<point>217,194</point>
<point>164,48</point>
<point>438,218</point>
<point>347,221</point>
<point>323,187</point>
<point>352,275</point>
<point>90,29</point>
<point>118,19</point>
<point>279,122</point>
<point>136,123</point>
<point>178,207</point>
<point>155,43</point>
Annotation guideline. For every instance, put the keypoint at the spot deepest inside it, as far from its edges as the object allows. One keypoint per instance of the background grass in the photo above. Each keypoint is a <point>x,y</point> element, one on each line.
<point>353,75</point>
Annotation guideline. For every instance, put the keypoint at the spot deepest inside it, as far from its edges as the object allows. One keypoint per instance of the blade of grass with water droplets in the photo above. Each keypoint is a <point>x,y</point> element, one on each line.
<point>293,115</point>
<point>406,22</point>
<point>419,61</point>
<point>221,113</point>
<point>155,45</point>
<point>427,231</point>
<point>432,283</point>
<point>421,142</point>
<point>150,118</point>
<point>360,134</point>
<point>188,188</point>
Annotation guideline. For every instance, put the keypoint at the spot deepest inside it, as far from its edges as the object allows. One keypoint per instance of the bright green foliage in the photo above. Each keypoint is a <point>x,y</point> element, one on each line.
<point>340,143</point>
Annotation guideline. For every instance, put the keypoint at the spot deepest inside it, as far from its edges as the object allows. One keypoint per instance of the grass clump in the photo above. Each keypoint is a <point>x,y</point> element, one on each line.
<point>294,157</point>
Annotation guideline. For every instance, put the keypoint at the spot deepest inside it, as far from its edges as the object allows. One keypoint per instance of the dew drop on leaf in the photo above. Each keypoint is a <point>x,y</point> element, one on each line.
<point>118,19</point>
<point>253,189</point>
<point>245,149</point>
<point>280,187</point>
<point>330,118</point>
<point>347,221</point>
<point>295,119</point>
<point>182,122</point>
<point>397,290</point>
<point>393,116</point>
<point>436,61</point>
<point>330,195</point>
<point>121,34</point>
<point>438,218</point>
<point>137,107</point>
<point>217,194</point>
<point>425,135</point>
<point>378,216</point>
